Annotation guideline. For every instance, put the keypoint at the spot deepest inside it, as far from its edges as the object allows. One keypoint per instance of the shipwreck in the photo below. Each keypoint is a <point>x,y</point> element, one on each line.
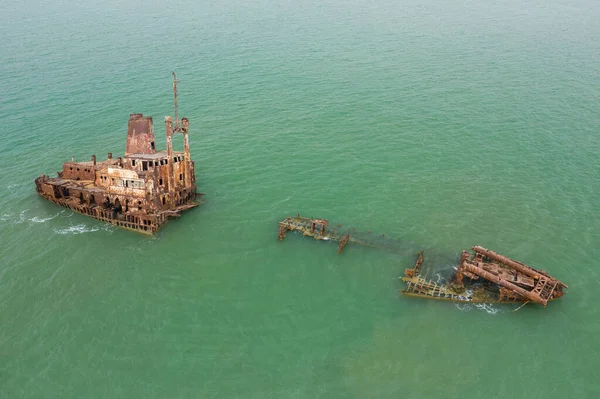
<point>139,191</point>
<point>482,276</point>
<point>485,277</point>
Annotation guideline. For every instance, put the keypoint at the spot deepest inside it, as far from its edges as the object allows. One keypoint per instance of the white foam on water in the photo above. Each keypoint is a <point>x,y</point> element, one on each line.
<point>485,307</point>
<point>23,218</point>
<point>76,229</point>
<point>109,227</point>
<point>464,307</point>
<point>11,186</point>
<point>440,279</point>
<point>82,228</point>
<point>15,219</point>
<point>36,219</point>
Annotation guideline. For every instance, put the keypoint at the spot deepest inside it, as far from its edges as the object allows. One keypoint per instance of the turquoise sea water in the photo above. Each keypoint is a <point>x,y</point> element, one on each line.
<point>442,125</point>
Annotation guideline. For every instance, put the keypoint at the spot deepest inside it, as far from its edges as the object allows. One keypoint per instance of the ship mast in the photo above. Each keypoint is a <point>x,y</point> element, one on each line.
<point>175,100</point>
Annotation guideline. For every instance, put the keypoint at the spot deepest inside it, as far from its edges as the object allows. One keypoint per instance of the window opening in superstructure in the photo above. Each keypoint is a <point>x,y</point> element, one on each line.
<point>118,208</point>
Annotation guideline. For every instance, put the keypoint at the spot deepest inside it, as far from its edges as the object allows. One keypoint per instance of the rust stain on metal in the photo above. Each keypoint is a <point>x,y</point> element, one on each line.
<point>139,191</point>
<point>480,277</point>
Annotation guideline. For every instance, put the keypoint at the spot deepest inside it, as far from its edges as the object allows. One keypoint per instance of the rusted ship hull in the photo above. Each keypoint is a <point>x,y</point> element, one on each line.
<point>87,200</point>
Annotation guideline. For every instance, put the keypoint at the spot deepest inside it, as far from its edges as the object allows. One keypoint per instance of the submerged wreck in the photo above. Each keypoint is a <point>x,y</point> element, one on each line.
<point>139,191</point>
<point>486,277</point>
<point>480,277</point>
<point>315,228</point>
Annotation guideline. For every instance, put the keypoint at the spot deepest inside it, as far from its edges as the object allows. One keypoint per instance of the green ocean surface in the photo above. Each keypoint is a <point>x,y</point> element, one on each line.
<point>441,125</point>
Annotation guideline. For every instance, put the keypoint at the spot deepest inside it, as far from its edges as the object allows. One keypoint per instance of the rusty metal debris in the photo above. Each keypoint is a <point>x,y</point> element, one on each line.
<point>139,191</point>
<point>316,228</point>
<point>481,277</point>
<point>320,229</point>
<point>343,243</point>
<point>485,276</point>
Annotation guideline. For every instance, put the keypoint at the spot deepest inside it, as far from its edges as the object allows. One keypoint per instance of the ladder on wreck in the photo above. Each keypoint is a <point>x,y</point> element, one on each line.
<point>545,288</point>
<point>431,289</point>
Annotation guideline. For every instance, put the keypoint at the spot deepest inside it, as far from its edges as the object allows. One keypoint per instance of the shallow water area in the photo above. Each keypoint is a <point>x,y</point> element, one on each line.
<point>441,126</point>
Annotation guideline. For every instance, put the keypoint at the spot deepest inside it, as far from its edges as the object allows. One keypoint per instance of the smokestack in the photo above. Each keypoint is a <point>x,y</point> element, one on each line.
<point>94,160</point>
<point>140,135</point>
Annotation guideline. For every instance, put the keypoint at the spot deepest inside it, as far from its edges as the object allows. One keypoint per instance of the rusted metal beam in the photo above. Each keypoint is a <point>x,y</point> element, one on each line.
<point>415,270</point>
<point>343,243</point>
<point>506,284</point>
<point>521,267</point>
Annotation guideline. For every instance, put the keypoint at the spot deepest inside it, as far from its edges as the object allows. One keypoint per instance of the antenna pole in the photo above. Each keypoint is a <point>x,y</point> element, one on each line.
<point>175,100</point>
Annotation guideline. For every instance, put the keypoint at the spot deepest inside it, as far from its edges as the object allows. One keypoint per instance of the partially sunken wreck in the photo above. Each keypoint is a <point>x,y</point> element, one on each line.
<point>480,277</point>
<point>485,277</point>
<point>139,191</point>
